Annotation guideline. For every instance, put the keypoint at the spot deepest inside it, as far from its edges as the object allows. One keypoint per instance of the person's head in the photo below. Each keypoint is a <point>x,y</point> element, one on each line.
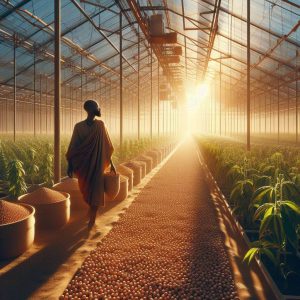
<point>92,108</point>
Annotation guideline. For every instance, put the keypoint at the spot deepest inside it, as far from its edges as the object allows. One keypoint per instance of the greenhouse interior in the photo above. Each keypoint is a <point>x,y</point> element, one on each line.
<point>149,149</point>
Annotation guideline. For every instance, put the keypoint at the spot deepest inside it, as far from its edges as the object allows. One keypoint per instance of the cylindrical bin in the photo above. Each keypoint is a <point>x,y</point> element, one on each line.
<point>154,156</point>
<point>127,172</point>
<point>123,193</point>
<point>52,207</point>
<point>148,160</point>
<point>143,167</point>
<point>70,186</point>
<point>16,234</point>
<point>137,172</point>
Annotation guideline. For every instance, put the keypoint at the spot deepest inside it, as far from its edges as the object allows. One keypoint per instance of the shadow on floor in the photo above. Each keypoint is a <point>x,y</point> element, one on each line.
<point>55,247</point>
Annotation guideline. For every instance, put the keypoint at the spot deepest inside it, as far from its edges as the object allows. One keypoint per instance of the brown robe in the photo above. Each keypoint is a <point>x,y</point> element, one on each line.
<point>90,151</point>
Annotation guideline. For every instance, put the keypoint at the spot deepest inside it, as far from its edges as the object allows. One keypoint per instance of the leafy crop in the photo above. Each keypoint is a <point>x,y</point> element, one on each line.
<point>263,188</point>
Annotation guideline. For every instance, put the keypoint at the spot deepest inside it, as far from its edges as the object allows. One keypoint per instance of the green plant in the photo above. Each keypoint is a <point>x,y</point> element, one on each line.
<point>31,165</point>
<point>279,220</point>
<point>47,170</point>
<point>3,165</point>
<point>16,178</point>
<point>241,199</point>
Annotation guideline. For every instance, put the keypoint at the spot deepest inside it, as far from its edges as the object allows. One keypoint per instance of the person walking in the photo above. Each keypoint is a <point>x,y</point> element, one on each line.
<point>88,155</point>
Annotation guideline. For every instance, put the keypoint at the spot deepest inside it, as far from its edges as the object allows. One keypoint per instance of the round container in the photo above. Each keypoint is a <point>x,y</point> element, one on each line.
<point>154,156</point>
<point>125,171</point>
<point>137,172</point>
<point>111,185</point>
<point>17,236</point>
<point>70,186</point>
<point>123,193</point>
<point>148,160</point>
<point>52,207</point>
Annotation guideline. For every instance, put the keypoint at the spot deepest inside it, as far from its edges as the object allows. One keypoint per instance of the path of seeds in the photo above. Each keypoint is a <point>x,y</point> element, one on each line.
<point>166,246</point>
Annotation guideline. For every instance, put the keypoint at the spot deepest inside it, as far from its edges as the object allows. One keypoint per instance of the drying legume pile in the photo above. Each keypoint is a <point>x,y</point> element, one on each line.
<point>43,196</point>
<point>11,212</point>
<point>167,245</point>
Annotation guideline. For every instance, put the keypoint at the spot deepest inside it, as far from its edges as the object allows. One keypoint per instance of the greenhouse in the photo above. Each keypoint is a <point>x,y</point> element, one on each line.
<point>149,149</point>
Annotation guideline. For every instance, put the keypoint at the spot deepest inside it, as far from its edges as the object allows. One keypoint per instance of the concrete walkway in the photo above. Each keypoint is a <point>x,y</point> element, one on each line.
<point>168,244</point>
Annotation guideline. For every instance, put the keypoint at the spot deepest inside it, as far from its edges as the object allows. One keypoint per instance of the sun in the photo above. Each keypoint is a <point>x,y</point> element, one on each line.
<point>195,96</point>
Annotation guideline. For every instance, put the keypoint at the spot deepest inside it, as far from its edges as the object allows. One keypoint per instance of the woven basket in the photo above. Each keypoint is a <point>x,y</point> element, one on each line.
<point>111,185</point>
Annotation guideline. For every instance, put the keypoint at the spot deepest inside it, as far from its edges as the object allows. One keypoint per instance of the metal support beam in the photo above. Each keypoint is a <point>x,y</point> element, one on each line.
<point>57,90</point>
<point>278,112</point>
<point>34,94</point>
<point>9,12</point>
<point>100,31</point>
<point>40,104</point>
<point>151,94</point>
<point>121,83</point>
<point>15,87</point>
<point>158,102</point>
<point>297,96</point>
<point>138,86</point>
<point>248,74</point>
<point>220,102</point>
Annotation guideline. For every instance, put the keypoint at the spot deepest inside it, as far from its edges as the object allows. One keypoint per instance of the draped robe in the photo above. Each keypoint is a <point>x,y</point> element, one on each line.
<point>89,152</point>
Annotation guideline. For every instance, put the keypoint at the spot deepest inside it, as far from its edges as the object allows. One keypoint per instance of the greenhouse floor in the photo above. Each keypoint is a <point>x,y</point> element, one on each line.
<point>170,244</point>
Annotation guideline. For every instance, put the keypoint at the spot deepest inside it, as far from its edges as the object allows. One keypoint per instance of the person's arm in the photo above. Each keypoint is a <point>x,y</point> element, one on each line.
<point>112,167</point>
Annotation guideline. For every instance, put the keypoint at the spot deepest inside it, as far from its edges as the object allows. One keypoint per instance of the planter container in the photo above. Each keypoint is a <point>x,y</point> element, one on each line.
<point>127,172</point>
<point>148,160</point>
<point>17,237</point>
<point>51,215</point>
<point>70,186</point>
<point>137,172</point>
<point>123,193</point>
<point>111,185</point>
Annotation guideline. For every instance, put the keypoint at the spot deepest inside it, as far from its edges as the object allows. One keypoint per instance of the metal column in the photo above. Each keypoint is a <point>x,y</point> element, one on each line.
<point>81,86</point>
<point>34,95</point>
<point>121,84</point>
<point>57,89</point>
<point>248,75</point>
<point>15,87</point>
<point>151,94</point>
<point>278,113</point>
<point>138,87</point>
<point>158,101</point>
<point>297,96</point>
<point>220,104</point>
<point>40,104</point>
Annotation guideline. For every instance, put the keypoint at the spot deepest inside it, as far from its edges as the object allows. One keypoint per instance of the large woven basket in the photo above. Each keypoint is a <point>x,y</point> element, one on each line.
<point>111,185</point>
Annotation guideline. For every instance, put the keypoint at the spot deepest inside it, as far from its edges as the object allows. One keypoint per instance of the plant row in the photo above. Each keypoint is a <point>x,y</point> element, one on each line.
<point>262,187</point>
<point>29,161</point>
